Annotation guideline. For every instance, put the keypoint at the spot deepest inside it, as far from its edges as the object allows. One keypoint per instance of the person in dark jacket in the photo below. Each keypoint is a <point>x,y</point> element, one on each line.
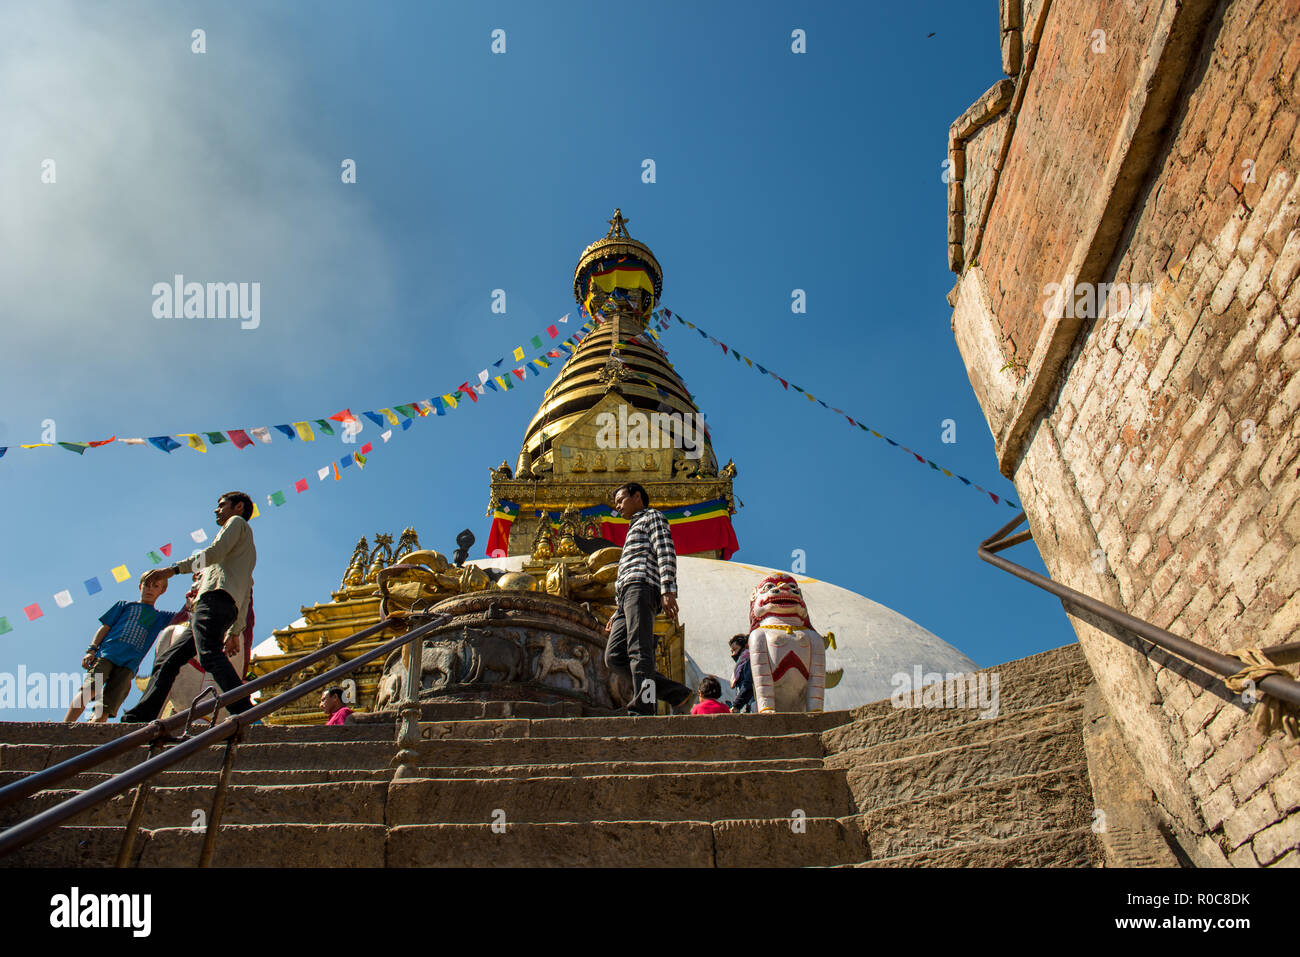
<point>742,679</point>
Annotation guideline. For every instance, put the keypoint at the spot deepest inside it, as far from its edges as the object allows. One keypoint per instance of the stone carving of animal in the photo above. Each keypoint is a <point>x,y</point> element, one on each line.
<point>549,663</point>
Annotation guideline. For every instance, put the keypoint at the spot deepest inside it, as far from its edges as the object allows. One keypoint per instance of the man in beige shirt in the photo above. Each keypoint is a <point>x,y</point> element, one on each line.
<point>220,607</point>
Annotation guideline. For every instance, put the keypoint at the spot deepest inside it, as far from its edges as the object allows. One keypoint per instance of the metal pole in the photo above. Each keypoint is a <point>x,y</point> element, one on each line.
<point>218,802</point>
<point>408,740</point>
<point>137,810</point>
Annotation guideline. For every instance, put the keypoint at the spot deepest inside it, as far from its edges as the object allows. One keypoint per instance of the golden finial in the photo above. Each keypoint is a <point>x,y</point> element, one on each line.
<point>542,541</point>
<point>381,556</point>
<point>356,571</point>
<point>409,542</point>
<point>618,226</point>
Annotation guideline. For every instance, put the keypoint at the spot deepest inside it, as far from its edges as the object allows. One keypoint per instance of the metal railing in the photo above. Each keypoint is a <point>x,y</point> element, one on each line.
<point>161,732</point>
<point>1224,666</point>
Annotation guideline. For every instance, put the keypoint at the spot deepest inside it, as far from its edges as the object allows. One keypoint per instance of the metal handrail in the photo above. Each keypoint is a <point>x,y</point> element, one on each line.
<point>1223,665</point>
<point>47,820</point>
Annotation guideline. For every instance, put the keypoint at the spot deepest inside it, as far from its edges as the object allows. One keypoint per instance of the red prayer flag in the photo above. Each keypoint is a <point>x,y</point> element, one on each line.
<point>519,373</point>
<point>33,612</point>
<point>552,331</point>
<point>851,422</point>
<point>239,437</point>
<point>366,449</point>
<point>994,497</point>
<point>167,549</point>
<point>300,485</point>
<point>95,445</point>
<point>464,387</point>
<point>336,471</point>
<point>343,416</point>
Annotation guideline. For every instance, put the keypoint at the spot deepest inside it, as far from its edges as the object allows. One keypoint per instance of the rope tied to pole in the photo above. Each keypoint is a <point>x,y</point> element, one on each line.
<point>1271,714</point>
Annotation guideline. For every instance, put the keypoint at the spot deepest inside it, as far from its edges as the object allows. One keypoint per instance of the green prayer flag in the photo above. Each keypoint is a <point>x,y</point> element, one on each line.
<point>537,342</point>
<point>407,410</point>
<point>216,438</point>
<point>277,498</point>
<point>324,426</point>
<point>77,447</point>
<point>5,627</point>
<point>155,558</point>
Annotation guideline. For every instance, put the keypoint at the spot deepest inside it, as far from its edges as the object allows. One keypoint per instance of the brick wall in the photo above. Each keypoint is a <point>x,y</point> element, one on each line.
<point>1164,475</point>
<point>1071,109</point>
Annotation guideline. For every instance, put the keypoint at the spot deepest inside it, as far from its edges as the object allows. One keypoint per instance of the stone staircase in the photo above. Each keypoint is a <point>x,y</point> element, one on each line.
<point>878,785</point>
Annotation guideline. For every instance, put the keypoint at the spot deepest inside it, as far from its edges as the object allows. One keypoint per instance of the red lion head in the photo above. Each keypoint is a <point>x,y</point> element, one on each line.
<point>777,594</point>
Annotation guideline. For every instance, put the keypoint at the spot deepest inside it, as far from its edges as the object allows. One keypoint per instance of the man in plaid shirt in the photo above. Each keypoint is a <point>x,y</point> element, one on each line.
<point>647,582</point>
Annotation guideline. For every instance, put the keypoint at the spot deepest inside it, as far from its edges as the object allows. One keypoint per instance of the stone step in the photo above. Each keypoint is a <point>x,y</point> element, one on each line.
<point>1012,807</point>
<point>1077,847</point>
<point>878,726</point>
<point>725,843</point>
<point>1026,682</point>
<point>317,775</point>
<point>452,752</point>
<point>732,843</point>
<point>360,802</point>
<point>877,784</point>
<point>678,797</point>
<point>960,735</point>
<point>712,725</point>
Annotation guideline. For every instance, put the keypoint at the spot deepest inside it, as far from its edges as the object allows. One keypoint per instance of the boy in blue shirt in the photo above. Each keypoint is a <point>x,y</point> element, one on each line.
<point>128,630</point>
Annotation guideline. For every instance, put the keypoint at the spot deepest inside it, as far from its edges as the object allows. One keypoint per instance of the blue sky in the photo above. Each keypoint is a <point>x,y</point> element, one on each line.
<point>479,171</point>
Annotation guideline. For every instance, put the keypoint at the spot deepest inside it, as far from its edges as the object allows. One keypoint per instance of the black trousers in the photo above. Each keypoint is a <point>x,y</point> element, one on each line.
<point>631,647</point>
<point>214,613</point>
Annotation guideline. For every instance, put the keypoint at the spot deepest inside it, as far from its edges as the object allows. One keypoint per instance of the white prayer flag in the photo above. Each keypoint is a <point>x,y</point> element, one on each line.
<point>63,599</point>
<point>262,434</point>
<point>483,376</point>
<point>134,441</point>
<point>386,435</point>
<point>564,318</point>
<point>199,535</point>
<point>321,473</point>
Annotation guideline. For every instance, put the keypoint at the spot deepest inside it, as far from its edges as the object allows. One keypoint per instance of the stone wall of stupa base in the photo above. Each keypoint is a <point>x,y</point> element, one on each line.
<point>1160,468</point>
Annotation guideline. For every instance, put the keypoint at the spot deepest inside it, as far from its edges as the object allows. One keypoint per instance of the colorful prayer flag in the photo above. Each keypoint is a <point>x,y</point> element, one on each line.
<point>120,574</point>
<point>304,431</point>
<point>361,460</point>
<point>300,485</point>
<point>216,438</point>
<point>336,471</point>
<point>388,414</point>
<point>552,331</point>
<point>167,549</point>
<point>287,430</point>
<point>33,611</point>
<point>262,434</point>
<point>324,426</point>
<point>194,441</point>
<point>464,387</point>
<point>240,438</point>
<point>367,448</point>
<point>78,447</point>
<point>276,498</point>
<point>155,558</point>
<point>93,587</point>
<point>164,442</point>
<point>519,353</point>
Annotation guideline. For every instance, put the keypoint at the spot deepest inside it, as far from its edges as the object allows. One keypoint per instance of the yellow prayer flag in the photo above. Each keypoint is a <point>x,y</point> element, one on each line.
<point>304,431</point>
<point>450,400</point>
<point>391,416</point>
<point>748,363</point>
<point>195,441</point>
<point>120,574</point>
<point>38,445</point>
<point>519,353</point>
<point>501,381</point>
<point>810,397</point>
<point>255,512</point>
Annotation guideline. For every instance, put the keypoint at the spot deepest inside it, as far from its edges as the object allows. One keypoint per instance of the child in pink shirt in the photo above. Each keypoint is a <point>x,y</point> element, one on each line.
<point>710,690</point>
